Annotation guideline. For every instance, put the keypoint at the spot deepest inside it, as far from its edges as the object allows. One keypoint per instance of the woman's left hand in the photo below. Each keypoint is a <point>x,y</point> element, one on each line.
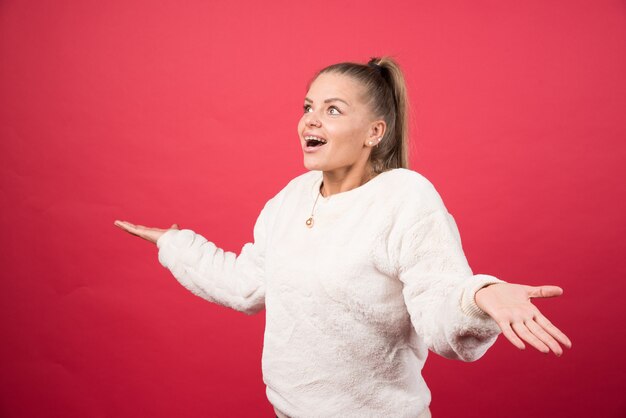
<point>509,305</point>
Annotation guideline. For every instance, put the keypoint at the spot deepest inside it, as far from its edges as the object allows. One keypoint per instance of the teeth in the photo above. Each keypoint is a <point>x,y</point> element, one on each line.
<point>314,138</point>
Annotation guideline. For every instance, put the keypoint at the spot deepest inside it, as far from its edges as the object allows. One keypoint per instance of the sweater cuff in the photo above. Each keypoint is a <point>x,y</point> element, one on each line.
<point>171,244</point>
<point>165,237</point>
<point>468,301</point>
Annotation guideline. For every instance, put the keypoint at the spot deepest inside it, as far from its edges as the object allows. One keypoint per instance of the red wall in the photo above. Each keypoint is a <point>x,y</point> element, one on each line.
<point>162,112</point>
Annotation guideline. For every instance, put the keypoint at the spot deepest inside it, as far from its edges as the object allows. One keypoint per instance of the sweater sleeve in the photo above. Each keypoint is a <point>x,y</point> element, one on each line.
<point>222,277</point>
<point>439,288</point>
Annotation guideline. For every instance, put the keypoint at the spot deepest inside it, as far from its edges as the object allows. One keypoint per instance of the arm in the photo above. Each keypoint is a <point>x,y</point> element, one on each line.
<point>222,277</point>
<point>439,288</point>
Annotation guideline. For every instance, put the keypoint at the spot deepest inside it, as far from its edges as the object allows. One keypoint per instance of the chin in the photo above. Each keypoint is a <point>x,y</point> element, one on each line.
<point>311,165</point>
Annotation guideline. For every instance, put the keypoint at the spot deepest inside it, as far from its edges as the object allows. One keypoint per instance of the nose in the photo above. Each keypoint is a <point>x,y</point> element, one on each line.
<point>311,120</point>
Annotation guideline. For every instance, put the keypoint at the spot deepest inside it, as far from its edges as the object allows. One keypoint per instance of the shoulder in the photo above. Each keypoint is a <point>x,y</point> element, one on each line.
<point>300,184</point>
<point>296,185</point>
<point>410,178</point>
<point>411,189</point>
<point>409,199</point>
<point>305,178</point>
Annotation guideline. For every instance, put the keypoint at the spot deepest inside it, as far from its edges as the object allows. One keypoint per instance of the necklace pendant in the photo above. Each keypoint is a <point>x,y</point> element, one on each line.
<point>309,222</point>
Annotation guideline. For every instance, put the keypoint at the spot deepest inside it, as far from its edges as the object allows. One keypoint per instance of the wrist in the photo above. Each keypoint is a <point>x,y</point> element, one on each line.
<point>469,303</point>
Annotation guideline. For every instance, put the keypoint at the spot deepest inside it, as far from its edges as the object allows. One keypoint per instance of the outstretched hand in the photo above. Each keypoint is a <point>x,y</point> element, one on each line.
<point>147,233</point>
<point>509,305</point>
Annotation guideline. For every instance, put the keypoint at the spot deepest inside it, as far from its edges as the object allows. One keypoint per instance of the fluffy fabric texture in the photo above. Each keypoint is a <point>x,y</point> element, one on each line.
<point>353,304</point>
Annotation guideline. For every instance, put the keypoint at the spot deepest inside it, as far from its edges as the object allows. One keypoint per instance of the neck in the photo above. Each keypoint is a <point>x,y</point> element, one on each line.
<point>344,179</point>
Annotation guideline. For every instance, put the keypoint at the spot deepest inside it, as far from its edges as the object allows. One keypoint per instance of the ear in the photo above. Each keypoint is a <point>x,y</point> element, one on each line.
<point>375,133</point>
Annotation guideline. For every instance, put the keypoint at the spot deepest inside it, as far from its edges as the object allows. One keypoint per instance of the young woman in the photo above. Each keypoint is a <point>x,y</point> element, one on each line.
<point>358,264</point>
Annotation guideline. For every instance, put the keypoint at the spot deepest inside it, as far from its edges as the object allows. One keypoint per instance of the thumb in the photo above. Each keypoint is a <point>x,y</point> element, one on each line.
<point>544,291</point>
<point>174,226</point>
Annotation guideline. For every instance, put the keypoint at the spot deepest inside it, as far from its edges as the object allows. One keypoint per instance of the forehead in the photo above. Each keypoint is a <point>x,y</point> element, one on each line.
<point>335,85</point>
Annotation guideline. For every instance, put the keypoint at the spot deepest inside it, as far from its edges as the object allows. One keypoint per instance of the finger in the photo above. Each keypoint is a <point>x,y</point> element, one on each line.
<point>121,224</point>
<point>175,226</point>
<point>125,224</point>
<point>128,227</point>
<point>552,330</point>
<point>510,335</point>
<point>544,336</point>
<point>522,331</point>
<point>544,291</point>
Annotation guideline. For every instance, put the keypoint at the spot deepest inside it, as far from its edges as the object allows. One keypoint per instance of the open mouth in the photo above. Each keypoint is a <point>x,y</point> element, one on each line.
<point>314,141</point>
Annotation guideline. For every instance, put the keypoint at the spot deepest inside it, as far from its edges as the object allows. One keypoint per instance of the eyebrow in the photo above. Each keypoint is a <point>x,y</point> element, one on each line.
<point>332,99</point>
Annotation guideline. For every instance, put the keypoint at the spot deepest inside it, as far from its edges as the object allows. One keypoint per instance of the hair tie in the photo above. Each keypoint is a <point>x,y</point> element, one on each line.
<point>377,67</point>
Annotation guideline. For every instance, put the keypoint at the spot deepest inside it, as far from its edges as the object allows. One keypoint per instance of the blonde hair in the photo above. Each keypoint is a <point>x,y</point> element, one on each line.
<point>386,93</point>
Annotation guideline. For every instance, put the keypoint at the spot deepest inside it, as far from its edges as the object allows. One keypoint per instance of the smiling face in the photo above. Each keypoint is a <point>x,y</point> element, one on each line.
<point>335,113</point>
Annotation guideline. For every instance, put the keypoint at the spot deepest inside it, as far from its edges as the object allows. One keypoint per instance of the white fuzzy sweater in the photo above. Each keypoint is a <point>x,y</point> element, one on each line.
<point>353,304</point>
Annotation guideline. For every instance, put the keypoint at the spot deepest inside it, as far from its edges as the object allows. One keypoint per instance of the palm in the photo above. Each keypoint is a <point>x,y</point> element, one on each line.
<point>509,305</point>
<point>147,233</point>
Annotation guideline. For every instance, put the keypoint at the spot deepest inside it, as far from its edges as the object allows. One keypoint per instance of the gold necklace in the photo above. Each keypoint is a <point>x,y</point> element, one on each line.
<point>309,221</point>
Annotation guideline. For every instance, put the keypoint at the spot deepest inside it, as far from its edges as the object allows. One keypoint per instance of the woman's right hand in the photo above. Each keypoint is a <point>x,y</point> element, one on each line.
<point>147,233</point>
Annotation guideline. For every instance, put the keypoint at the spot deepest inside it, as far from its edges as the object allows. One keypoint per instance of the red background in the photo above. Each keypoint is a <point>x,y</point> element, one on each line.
<point>163,112</point>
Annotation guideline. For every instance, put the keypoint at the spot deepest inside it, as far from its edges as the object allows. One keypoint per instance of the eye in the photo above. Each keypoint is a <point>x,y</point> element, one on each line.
<point>334,108</point>
<point>306,107</point>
